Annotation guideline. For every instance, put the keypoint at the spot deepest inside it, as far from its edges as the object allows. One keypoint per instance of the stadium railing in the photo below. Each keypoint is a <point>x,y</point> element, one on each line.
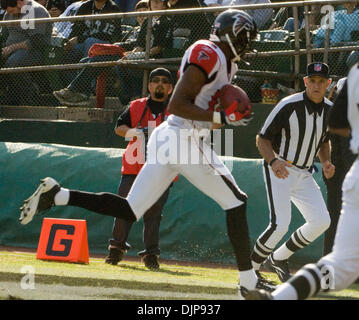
<point>280,57</point>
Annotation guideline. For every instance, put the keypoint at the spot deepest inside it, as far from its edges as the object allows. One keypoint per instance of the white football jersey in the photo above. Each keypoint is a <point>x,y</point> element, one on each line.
<point>353,107</point>
<point>211,60</point>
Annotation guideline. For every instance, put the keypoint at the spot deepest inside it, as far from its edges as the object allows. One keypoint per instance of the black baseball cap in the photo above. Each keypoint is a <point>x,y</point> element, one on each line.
<point>160,72</point>
<point>318,69</point>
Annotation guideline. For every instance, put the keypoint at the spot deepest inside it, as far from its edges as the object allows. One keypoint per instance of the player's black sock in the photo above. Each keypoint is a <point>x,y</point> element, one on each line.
<point>103,203</point>
<point>297,241</point>
<point>260,252</point>
<point>238,234</point>
<point>307,281</point>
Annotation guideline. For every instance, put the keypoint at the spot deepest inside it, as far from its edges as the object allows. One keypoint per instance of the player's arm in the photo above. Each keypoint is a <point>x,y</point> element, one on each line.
<point>185,92</point>
<point>338,117</point>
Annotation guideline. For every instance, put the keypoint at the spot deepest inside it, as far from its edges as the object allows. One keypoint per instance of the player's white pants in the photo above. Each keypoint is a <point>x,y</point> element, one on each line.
<point>172,151</point>
<point>300,188</point>
<point>344,258</point>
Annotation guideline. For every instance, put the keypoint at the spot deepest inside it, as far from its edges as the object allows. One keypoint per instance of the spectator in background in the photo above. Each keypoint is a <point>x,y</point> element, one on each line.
<point>55,8</point>
<point>127,6</point>
<point>128,42</point>
<point>133,125</point>
<point>262,17</point>
<point>63,29</point>
<point>344,21</point>
<point>191,21</point>
<point>23,47</point>
<point>85,33</point>
<point>77,92</point>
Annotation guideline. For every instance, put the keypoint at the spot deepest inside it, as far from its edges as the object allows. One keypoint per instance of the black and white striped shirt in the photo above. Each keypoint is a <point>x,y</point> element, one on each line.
<point>296,128</point>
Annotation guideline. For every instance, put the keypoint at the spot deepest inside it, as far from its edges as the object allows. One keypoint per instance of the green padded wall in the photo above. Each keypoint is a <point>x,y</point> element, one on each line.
<point>193,225</point>
<point>101,135</point>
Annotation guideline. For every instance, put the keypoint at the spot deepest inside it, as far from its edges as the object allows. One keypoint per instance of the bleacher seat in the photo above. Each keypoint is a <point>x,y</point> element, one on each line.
<point>274,35</point>
<point>180,43</point>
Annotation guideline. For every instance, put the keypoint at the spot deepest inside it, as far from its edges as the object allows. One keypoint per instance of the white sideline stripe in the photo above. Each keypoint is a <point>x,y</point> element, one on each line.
<point>63,292</point>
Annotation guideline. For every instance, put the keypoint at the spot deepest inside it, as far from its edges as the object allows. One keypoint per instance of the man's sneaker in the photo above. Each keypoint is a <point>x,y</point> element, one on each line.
<point>115,255</point>
<point>41,200</point>
<point>71,98</point>
<point>280,267</point>
<point>151,261</point>
<point>261,285</point>
<point>258,295</point>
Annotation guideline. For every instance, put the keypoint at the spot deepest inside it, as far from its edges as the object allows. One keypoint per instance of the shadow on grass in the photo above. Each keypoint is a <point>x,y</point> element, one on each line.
<point>161,270</point>
<point>111,283</point>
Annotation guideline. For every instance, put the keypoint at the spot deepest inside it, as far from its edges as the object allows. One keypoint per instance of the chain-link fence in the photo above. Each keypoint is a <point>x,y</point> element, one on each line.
<point>100,58</point>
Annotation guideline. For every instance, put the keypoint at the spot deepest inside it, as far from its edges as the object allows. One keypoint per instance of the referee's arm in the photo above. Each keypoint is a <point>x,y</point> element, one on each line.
<point>324,152</point>
<point>265,148</point>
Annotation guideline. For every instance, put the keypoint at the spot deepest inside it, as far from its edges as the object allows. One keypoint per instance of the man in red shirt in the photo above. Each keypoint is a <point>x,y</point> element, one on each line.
<point>133,124</point>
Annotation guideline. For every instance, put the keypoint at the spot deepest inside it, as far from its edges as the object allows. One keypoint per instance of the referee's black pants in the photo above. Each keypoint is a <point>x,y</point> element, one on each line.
<point>151,221</point>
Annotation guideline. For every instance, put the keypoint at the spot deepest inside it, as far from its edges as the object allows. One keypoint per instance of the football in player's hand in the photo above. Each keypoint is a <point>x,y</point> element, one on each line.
<point>230,93</point>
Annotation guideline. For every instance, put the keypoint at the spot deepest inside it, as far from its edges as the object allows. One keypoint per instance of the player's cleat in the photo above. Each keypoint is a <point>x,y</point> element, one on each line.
<point>261,285</point>
<point>115,255</point>
<point>151,261</point>
<point>258,295</point>
<point>264,283</point>
<point>41,200</point>
<point>280,267</point>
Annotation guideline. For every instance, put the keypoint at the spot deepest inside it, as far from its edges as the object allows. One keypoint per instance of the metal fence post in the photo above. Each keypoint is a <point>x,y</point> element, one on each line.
<point>297,47</point>
<point>307,34</point>
<point>147,55</point>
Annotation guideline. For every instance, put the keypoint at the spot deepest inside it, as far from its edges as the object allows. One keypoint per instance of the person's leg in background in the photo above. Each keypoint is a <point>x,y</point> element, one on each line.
<point>289,25</point>
<point>78,52</point>
<point>22,89</point>
<point>78,91</point>
<point>130,81</point>
<point>334,204</point>
<point>121,228</point>
<point>151,232</point>
<point>337,270</point>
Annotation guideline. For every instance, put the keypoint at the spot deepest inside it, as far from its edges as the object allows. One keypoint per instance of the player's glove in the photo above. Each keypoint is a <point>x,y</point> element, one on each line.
<point>232,116</point>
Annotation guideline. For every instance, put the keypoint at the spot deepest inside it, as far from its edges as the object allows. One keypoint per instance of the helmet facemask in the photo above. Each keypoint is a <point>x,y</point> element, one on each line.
<point>241,45</point>
<point>235,28</point>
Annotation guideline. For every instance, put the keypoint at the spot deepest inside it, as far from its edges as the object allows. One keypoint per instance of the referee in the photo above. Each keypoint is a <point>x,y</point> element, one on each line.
<point>294,133</point>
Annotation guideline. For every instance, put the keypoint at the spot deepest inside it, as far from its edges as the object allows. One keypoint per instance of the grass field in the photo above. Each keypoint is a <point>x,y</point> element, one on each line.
<point>130,280</point>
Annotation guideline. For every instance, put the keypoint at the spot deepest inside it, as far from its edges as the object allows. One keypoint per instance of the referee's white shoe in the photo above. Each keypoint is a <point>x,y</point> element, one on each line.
<point>42,199</point>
